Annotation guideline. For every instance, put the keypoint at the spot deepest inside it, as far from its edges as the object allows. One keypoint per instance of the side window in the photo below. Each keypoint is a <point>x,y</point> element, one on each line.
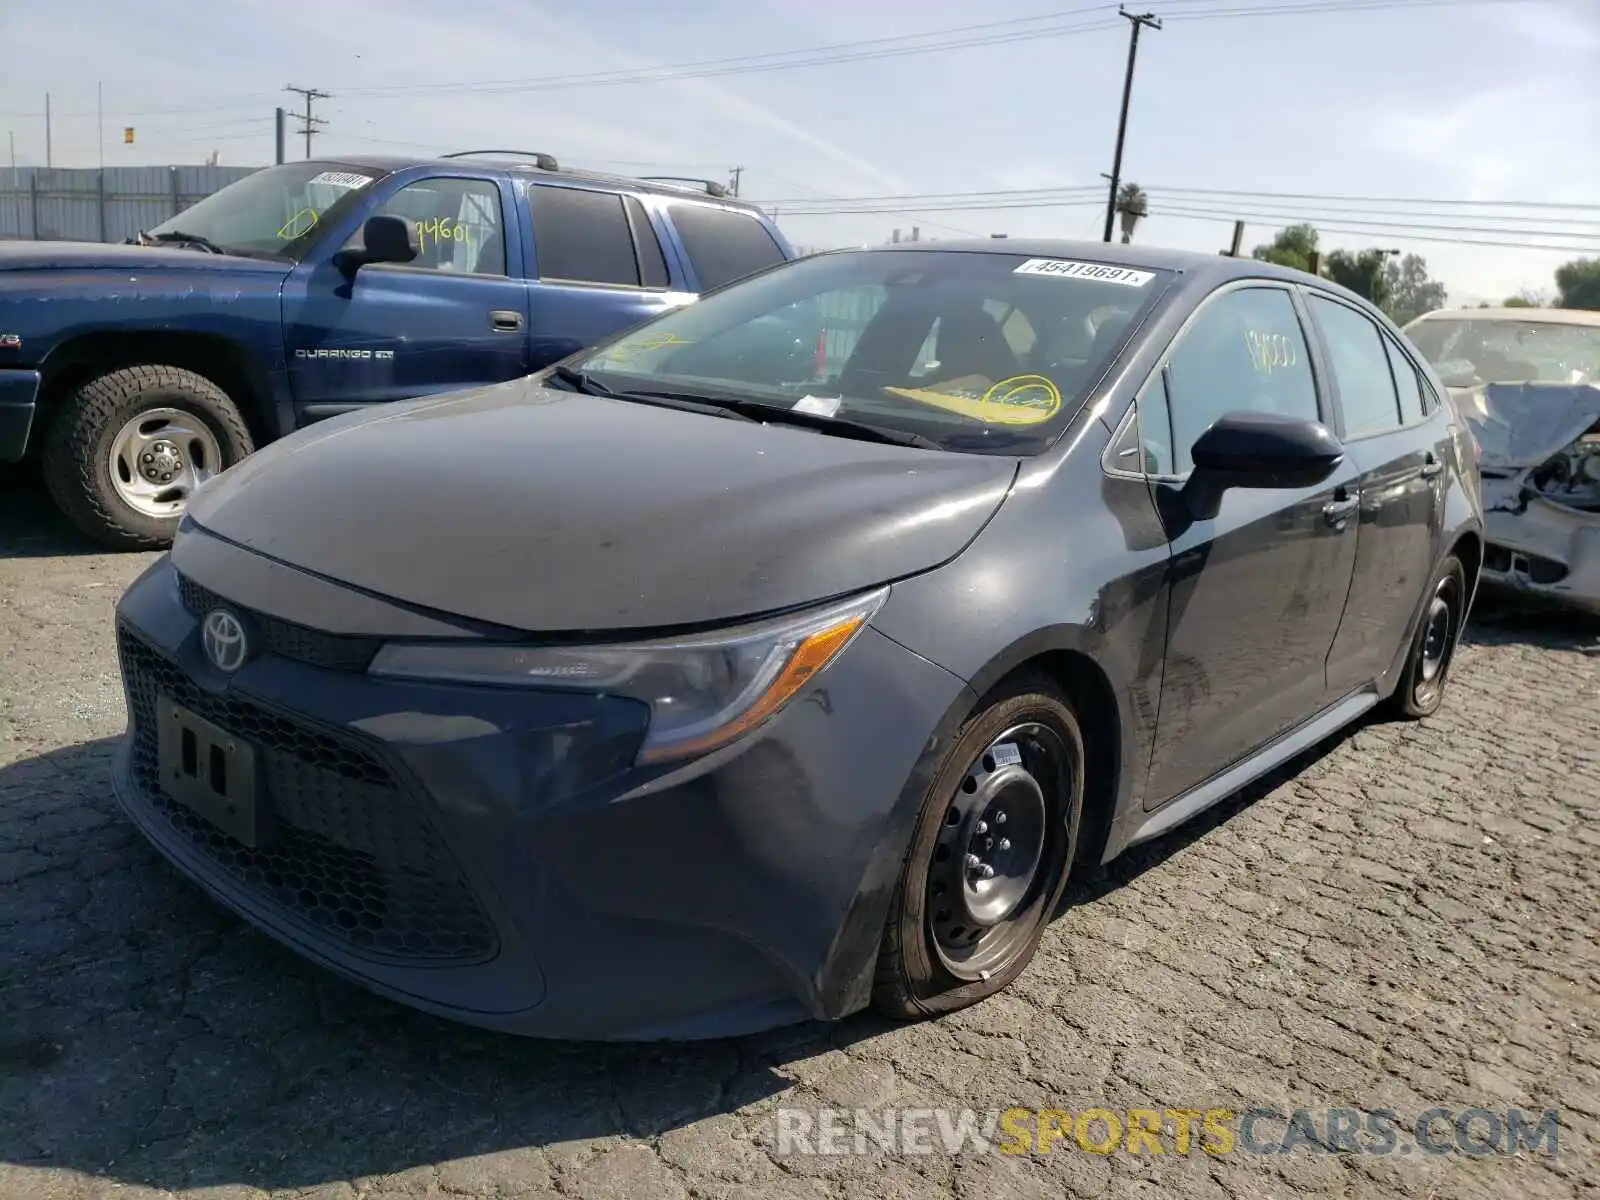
<point>457,223</point>
<point>844,315</point>
<point>1361,368</point>
<point>723,245</point>
<point>652,263</point>
<point>1245,350</point>
<point>1405,382</point>
<point>1155,426</point>
<point>582,236</point>
<point>1014,325</point>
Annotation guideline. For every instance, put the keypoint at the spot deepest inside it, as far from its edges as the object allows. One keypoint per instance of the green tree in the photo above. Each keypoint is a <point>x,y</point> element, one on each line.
<point>1411,291</point>
<point>1517,302</point>
<point>1360,271</point>
<point>1579,284</point>
<point>1293,247</point>
<point>1132,204</point>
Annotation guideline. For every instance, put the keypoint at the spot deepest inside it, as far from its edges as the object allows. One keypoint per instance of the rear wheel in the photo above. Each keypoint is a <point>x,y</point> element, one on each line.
<point>990,856</point>
<point>1427,670</point>
<point>128,448</point>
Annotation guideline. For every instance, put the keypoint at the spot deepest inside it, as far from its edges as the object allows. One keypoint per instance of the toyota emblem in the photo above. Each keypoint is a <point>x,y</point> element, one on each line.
<point>224,640</point>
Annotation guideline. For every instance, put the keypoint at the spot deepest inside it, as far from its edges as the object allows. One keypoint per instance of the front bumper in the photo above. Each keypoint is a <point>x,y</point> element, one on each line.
<point>492,856</point>
<point>19,393</point>
<point>1544,550</point>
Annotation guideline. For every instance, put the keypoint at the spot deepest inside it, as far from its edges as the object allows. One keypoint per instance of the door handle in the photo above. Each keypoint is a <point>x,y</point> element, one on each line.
<point>1336,512</point>
<point>1431,466</point>
<point>503,320</point>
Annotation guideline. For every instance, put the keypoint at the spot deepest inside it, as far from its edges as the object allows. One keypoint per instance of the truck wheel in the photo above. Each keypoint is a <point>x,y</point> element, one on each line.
<point>128,447</point>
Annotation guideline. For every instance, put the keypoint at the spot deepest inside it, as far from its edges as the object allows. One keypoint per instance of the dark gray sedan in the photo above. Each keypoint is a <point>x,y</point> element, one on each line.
<point>786,655</point>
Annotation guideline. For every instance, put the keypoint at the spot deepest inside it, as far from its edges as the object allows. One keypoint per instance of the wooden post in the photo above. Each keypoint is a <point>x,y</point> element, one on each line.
<point>1238,239</point>
<point>1314,262</point>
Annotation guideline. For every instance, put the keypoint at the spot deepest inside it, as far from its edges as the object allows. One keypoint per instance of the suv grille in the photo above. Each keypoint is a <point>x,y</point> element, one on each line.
<point>333,651</point>
<point>353,856</point>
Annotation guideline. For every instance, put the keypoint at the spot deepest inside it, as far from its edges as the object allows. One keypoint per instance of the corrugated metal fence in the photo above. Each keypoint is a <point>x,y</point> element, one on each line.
<point>87,205</point>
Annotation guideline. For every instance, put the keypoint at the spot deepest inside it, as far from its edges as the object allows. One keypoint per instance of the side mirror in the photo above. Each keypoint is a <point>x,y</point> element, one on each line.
<point>1264,450</point>
<point>383,239</point>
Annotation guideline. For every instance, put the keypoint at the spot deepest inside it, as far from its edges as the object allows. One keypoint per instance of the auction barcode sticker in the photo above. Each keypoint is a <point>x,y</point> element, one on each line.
<point>344,179</point>
<point>1098,272</point>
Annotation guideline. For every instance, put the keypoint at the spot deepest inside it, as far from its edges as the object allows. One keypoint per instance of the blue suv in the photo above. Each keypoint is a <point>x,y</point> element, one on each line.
<point>137,371</point>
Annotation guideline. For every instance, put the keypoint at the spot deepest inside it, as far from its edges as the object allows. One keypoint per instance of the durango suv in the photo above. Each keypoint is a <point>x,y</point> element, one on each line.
<point>683,689</point>
<point>136,372</point>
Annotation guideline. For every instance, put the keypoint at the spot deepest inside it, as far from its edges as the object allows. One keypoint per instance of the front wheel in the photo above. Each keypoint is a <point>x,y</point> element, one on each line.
<point>990,856</point>
<point>128,448</point>
<point>1420,691</point>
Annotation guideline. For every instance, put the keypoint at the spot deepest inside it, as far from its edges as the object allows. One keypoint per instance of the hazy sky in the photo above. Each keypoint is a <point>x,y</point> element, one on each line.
<point>1490,102</point>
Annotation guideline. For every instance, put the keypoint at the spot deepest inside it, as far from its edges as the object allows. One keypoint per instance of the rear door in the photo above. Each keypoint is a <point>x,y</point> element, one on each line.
<point>598,268</point>
<point>453,318</point>
<point>1257,590</point>
<point>1399,449</point>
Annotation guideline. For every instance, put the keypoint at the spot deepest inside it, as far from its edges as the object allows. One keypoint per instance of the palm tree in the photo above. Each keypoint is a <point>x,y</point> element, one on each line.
<point>1132,203</point>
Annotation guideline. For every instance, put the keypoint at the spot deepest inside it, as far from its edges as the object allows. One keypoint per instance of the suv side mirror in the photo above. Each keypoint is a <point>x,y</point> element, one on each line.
<point>383,239</point>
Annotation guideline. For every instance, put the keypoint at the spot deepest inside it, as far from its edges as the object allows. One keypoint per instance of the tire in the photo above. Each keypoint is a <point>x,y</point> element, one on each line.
<point>1421,689</point>
<point>190,420</point>
<point>928,962</point>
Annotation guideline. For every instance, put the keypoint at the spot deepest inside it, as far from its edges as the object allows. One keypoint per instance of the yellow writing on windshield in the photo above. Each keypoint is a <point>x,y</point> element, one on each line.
<point>1019,400</point>
<point>631,349</point>
<point>298,225</point>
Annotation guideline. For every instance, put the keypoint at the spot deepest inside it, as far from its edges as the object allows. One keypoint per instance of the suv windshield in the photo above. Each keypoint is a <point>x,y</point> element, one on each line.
<point>1466,352</point>
<point>974,351</point>
<point>274,213</point>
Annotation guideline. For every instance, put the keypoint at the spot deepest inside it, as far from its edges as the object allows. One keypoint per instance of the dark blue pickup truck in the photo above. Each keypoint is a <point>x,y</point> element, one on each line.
<point>136,371</point>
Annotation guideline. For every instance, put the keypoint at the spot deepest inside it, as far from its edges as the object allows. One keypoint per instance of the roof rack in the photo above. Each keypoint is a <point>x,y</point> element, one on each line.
<point>711,186</point>
<point>545,162</point>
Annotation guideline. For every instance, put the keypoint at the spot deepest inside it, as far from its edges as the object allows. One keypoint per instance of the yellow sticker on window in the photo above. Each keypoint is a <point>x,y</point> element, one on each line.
<point>629,350</point>
<point>1019,400</point>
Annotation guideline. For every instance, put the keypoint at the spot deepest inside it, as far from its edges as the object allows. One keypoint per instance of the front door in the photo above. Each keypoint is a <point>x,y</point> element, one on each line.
<point>1399,450</point>
<point>456,317</point>
<point>1256,591</point>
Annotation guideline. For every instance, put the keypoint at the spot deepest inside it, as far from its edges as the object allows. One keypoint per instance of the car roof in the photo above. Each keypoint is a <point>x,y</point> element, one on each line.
<point>1213,268</point>
<point>1554,316</point>
<point>503,160</point>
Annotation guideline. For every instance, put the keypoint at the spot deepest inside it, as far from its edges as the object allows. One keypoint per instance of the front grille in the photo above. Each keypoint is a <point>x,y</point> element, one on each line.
<point>352,855</point>
<point>285,639</point>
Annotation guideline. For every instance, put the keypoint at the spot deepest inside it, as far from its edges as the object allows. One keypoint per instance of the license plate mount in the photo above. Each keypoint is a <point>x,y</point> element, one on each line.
<point>210,771</point>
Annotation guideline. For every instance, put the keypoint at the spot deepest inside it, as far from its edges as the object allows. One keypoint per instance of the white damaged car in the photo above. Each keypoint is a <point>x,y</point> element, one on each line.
<point>1527,380</point>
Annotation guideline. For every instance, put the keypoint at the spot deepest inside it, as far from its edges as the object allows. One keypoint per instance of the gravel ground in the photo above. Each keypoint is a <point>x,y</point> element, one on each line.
<point>1404,921</point>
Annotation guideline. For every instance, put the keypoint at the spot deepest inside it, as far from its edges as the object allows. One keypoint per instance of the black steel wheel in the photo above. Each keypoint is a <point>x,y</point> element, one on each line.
<point>1420,691</point>
<point>990,856</point>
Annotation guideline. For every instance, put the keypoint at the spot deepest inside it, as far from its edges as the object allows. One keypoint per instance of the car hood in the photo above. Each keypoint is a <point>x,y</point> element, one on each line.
<point>544,510</point>
<point>118,256</point>
<point>1518,426</point>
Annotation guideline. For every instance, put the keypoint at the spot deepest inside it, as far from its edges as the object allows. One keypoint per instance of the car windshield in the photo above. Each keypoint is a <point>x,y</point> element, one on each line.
<point>1466,352</point>
<point>973,351</point>
<point>274,213</point>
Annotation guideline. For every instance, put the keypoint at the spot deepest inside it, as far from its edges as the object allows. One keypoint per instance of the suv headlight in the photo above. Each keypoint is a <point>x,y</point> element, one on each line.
<point>703,691</point>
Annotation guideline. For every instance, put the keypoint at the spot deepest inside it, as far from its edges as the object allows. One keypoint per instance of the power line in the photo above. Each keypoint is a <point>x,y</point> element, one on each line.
<point>990,33</point>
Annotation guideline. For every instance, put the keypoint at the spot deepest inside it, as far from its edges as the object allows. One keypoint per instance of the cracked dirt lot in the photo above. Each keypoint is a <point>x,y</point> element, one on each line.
<point>1405,922</point>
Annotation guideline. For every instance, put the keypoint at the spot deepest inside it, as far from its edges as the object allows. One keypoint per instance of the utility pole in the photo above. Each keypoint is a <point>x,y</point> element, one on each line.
<point>733,180</point>
<point>100,121</point>
<point>49,159</point>
<point>309,122</point>
<point>282,116</point>
<point>1139,21</point>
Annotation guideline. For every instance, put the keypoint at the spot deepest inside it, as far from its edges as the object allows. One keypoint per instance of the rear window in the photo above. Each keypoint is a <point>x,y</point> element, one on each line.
<point>582,236</point>
<point>722,245</point>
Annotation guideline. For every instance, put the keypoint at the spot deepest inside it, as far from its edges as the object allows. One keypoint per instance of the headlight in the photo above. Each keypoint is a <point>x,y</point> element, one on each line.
<point>703,691</point>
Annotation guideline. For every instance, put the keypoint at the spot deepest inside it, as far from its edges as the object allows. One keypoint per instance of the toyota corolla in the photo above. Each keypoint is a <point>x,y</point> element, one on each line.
<point>787,654</point>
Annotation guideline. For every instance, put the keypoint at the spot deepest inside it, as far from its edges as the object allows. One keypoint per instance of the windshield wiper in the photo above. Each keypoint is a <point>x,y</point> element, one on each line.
<point>187,239</point>
<point>861,431</point>
<point>580,381</point>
